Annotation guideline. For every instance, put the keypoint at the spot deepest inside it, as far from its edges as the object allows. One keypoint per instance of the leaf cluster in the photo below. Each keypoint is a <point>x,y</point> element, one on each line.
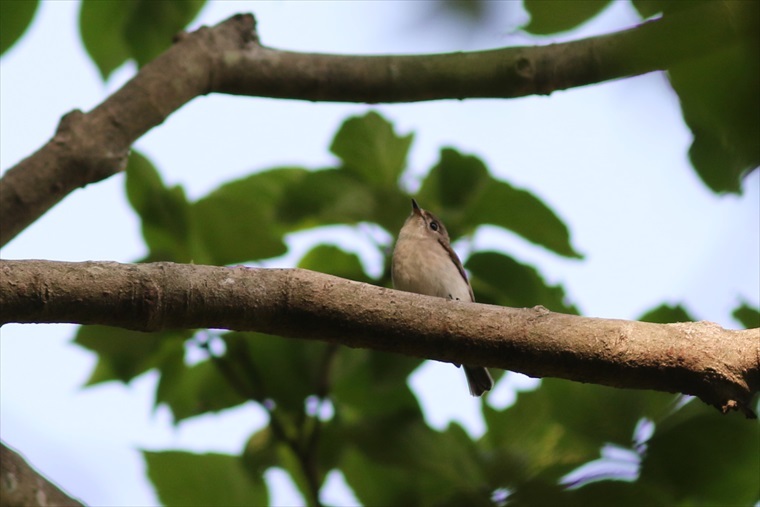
<point>352,410</point>
<point>718,91</point>
<point>333,408</point>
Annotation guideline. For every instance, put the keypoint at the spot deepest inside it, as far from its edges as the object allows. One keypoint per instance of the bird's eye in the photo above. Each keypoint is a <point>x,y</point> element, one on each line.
<point>434,225</point>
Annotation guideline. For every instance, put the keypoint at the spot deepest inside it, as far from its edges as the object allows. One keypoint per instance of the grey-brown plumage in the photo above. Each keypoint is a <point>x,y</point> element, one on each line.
<point>425,263</point>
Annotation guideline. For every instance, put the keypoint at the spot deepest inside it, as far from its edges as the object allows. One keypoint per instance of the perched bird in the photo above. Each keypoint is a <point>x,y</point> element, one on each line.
<point>424,262</point>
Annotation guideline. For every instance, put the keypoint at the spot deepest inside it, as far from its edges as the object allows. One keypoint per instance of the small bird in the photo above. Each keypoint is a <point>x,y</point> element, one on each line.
<point>424,262</point>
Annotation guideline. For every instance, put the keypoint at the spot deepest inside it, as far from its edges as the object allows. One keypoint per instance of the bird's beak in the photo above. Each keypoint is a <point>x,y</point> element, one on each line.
<point>416,208</point>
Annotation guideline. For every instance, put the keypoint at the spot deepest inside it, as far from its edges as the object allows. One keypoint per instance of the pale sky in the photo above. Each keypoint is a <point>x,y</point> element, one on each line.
<point>610,159</point>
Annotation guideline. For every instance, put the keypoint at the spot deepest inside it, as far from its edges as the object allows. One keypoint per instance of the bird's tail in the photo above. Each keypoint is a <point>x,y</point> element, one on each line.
<point>478,379</point>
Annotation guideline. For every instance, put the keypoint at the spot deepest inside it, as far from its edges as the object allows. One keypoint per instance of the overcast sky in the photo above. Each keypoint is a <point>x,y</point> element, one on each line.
<point>610,159</point>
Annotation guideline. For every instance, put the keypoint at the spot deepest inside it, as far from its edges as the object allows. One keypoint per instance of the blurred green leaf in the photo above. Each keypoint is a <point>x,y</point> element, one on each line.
<point>555,429</point>
<point>648,8</point>
<point>193,390</point>
<point>330,196</point>
<point>573,405</point>
<point>371,149</point>
<point>124,354</point>
<point>520,211</point>
<point>452,458</point>
<point>667,314</point>
<point>334,261</point>
<point>552,16</point>
<point>183,478</point>
<point>747,315</point>
<point>15,18</point>
<point>596,494</point>
<point>289,461</point>
<point>375,483</point>
<point>114,31</point>
<point>723,117</point>
<point>101,25</point>
<point>259,453</point>
<point>445,466</point>
<point>527,438</point>
<point>282,369</point>
<point>149,30</point>
<point>468,196</point>
<point>617,493</point>
<point>704,458</point>
<point>499,279</point>
<point>452,186</point>
<point>164,212</point>
<point>238,221</point>
<point>372,397</point>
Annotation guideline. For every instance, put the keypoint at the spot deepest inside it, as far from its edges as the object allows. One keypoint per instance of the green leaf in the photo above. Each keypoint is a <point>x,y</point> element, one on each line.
<point>648,8</point>
<point>193,390</point>
<point>573,405</point>
<point>260,452</point>
<point>723,119</point>
<point>125,354</point>
<point>334,261</point>
<point>552,16</point>
<point>114,31</point>
<point>452,186</point>
<point>15,18</point>
<point>520,211</point>
<point>617,493</point>
<point>461,191</point>
<point>152,25</point>
<point>375,483</point>
<point>238,221</point>
<point>371,398</point>
<point>446,466</point>
<point>284,370</point>
<point>667,314</point>
<point>164,212</point>
<point>330,196</point>
<point>183,478</point>
<point>704,458</point>
<point>747,315</point>
<point>101,25</point>
<point>526,439</point>
<point>368,384</point>
<point>559,427</point>
<point>499,279</point>
<point>371,149</point>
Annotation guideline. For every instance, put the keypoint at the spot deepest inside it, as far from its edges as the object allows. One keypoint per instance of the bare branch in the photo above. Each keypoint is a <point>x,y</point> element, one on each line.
<point>720,366</point>
<point>22,486</point>
<point>228,58</point>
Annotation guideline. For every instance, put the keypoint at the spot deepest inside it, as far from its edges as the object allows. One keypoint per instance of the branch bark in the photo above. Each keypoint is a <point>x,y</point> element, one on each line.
<point>722,367</point>
<point>22,486</point>
<point>228,58</point>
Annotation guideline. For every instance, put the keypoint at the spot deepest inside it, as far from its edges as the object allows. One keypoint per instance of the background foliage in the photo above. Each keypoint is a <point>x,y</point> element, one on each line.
<point>333,408</point>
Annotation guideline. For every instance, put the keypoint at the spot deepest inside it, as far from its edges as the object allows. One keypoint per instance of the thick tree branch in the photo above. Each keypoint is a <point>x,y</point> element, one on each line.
<point>22,486</point>
<point>228,58</point>
<point>720,366</point>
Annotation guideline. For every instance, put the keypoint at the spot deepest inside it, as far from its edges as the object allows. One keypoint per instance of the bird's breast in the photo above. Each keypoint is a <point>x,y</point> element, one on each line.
<point>426,268</point>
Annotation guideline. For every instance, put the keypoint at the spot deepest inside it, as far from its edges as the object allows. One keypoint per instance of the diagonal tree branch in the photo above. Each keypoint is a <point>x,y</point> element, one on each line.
<point>228,58</point>
<point>22,486</point>
<point>720,366</point>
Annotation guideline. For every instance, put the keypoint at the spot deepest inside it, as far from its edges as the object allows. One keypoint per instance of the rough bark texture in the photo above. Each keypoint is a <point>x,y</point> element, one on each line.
<point>228,58</point>
<point>722,367</point>
<point>22,486</point>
